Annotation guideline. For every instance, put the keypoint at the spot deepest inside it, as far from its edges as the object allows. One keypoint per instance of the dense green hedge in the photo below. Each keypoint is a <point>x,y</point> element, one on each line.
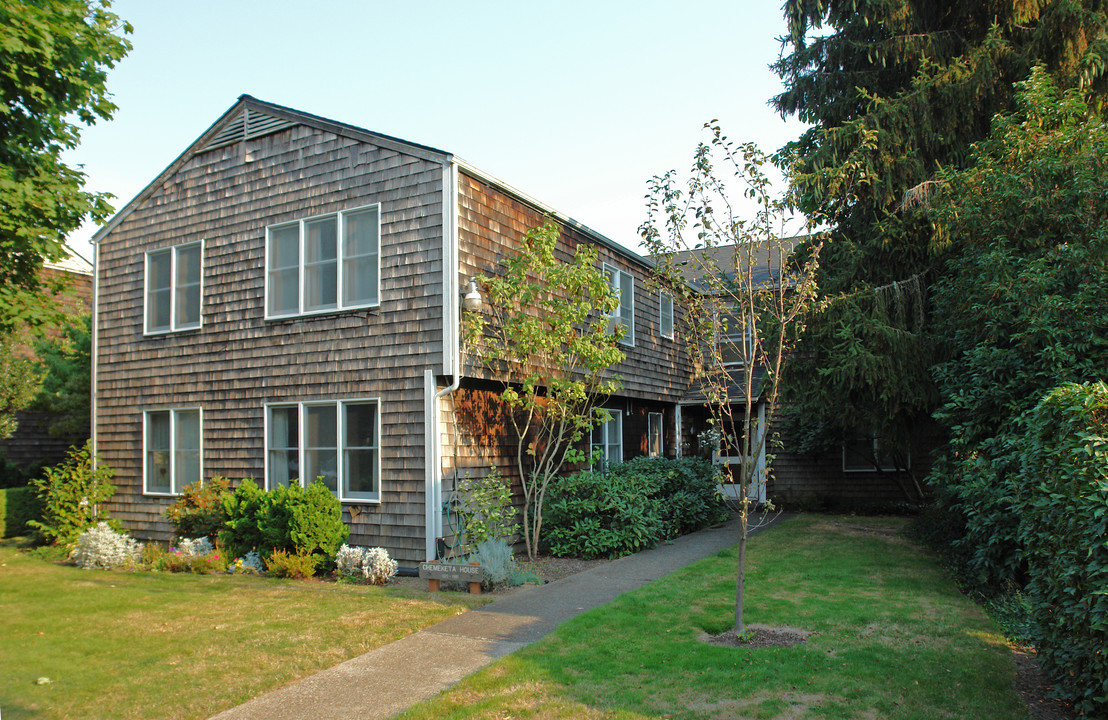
<point>17,506</point>
<point>299,521</point>
<point>1064,533</point>
<point>632,506</point>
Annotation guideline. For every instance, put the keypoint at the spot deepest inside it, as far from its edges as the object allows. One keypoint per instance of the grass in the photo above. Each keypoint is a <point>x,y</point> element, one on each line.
<point>895,640</point>
<point>159,645</point>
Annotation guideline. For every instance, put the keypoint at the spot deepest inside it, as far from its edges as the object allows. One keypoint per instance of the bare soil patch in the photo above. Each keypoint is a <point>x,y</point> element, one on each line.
<point>760,636</point>
<point>1034,686</point>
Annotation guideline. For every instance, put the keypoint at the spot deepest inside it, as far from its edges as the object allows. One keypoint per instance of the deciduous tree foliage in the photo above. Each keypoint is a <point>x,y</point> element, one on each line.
<point>743,299</point>
<point>67,387</point>
<point>54,57</point>
<point>546,332</point>
<point>896,90</point>
<point>1023,304</point>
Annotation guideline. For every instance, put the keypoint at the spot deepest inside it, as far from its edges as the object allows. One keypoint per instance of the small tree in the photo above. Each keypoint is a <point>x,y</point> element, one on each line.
<point>744,299</point>
<point>547,335</point>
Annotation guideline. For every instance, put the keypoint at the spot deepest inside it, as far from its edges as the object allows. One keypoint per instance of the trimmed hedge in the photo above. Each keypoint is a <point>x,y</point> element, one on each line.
<point>631,507</point>
<point>18,505</point>
<point>1064,533</point>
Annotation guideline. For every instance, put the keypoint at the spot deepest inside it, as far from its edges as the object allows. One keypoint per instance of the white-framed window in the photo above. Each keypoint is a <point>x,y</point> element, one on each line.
<point>665,315</point>
<point>871,453</point>
<point>607,439</point>
<point>624,315</point>
<point>323,264</point>
<point>735,339</point>
<point>174,287</point>
<point>172,444</point>
<point>654,444</point>
<point>338,441</point>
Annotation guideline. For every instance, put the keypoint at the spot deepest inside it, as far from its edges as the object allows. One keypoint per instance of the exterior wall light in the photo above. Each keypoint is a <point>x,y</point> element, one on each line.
<point>472,301</point>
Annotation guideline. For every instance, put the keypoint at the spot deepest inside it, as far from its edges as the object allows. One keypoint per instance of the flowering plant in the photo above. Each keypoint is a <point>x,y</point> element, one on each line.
<point>101,547</point>
<point>371,564</point>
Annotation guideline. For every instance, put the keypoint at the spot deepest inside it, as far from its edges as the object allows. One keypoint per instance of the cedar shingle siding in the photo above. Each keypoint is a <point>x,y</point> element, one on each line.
<point>238,361</point>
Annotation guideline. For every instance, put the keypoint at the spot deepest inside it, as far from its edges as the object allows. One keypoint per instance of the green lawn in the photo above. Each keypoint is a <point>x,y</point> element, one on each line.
<point>157,645</point>
<point>895,640</point>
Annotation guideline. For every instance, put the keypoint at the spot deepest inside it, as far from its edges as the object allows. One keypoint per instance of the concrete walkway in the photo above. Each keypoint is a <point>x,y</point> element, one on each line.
<point>390,679</point>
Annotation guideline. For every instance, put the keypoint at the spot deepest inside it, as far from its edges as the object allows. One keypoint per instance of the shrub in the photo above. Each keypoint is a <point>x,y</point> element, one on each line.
<point>305,522</point>
<point>194,547</point>
<point>1064,532</point>
<point>284,564</point>
<point>290,518</point>
<point>18,506</point>
<point>485,510</point>
<point>71,495</point>
<point>496,560</point>
<point>241,510</point>
<point>593,514</point>
<point>189,555</point>
<point>632,506</point>
<point>198,511</point>
<point>101,547</point>
<point>371,564</point>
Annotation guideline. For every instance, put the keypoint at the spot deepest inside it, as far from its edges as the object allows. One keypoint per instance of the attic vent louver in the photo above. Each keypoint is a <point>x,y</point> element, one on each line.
<point>248,125</point>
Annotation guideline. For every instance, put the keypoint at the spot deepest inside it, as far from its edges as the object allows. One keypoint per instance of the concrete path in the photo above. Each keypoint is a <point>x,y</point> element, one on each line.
<point>390,679</point>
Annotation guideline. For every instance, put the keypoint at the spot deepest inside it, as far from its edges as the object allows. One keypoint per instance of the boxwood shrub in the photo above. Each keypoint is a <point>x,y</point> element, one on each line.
<point>18,506</point>
<point>630,507</point>
<point>1064,533</point>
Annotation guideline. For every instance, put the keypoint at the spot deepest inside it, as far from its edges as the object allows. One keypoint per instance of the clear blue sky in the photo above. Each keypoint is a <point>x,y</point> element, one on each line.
<point>577,104</point>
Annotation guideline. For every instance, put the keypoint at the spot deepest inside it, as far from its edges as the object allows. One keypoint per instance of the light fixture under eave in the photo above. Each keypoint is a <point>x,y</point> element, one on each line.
<point>472,301</point>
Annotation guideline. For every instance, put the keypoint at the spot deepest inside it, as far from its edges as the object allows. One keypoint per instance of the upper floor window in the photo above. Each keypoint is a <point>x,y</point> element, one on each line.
<point>665,315</point>
<point>623,316</point>
<point>172,450</point>
<point>174,278</point>
<point>336,441</point>
<point>323,264</point>
<point>736,341</point>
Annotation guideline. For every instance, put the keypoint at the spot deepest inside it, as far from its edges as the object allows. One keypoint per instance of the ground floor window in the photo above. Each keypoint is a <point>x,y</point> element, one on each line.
<point>870,453</point>
<point>336,441</point>
<point>172,450</point>
<point>607,440</point>
<point>654,446</point>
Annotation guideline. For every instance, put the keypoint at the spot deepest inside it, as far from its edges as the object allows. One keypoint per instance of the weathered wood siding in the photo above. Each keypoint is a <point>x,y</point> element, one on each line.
<point>490,224</point>
<point>238,361</point>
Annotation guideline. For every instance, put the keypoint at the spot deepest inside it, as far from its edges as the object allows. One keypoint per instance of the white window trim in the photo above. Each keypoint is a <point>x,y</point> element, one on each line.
<point>340,306</point>
<point>173,250</point>
<point>651,418</point>
<point>339,405</point>
<point>734,339</point>
<point>603,427</point>
<point>615,281</point>
<point>172,448</point>
<point>663,300</point>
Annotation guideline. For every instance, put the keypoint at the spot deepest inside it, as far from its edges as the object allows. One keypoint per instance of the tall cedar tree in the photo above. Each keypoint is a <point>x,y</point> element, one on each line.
<point>898,89</point>
<point>54,58</point>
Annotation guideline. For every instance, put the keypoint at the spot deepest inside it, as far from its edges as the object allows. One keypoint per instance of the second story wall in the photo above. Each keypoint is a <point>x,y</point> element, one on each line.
<point>491,221</point>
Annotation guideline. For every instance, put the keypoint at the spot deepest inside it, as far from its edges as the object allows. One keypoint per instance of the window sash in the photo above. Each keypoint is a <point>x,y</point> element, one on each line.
<point>173,449</point>
<point>324,264</point>
<point>623,284</point>
<point>607,440</point>
<point>654,441</point>
<point>665,315</point>
<point>338,440</point>
<point>174,288</point>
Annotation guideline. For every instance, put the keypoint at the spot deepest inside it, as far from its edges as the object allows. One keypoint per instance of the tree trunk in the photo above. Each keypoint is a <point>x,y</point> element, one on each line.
<point>740,578</point>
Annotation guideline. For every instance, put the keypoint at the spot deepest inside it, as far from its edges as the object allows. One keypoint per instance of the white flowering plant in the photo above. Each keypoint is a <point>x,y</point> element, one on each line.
<point>101,547</point>
<point>193,547</point>
<point>370,564</point>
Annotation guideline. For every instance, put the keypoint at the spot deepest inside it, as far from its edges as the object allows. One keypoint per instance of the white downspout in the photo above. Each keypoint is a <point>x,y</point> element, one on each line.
<point>95,344</point>
<point>452,363</point>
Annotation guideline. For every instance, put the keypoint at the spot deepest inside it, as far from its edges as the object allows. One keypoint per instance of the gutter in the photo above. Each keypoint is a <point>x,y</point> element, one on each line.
<point>95,347</point>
